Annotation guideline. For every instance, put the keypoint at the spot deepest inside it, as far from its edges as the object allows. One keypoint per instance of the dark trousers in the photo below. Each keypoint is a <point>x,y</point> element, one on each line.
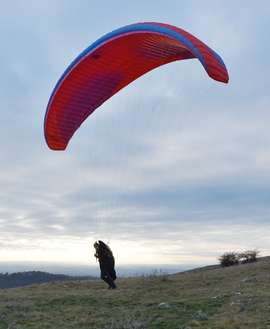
<point>108,279</point>
<point>107,272</point>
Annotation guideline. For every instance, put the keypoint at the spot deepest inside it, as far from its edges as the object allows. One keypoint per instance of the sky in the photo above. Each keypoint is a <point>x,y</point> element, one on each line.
<point>174,169</point>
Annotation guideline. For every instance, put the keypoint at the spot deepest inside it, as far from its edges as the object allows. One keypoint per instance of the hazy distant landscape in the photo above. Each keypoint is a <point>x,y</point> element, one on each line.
<point>21,279</point>
<point>78,270</point>
<point>21,274</point>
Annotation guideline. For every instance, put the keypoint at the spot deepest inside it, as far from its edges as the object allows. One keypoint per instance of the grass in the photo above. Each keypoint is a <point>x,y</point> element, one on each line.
<point>236,297</point>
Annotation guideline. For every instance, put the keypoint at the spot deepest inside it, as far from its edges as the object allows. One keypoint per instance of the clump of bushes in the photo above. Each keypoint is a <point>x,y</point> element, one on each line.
<point>234,258</point>
<point>229,259</point>
<point>248,256</point>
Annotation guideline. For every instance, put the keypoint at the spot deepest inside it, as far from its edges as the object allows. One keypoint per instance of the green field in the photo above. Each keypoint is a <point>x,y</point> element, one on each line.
<point>231,298</point>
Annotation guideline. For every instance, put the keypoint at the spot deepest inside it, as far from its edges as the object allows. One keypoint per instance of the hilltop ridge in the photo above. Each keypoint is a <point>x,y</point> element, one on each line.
<point>236,297</point>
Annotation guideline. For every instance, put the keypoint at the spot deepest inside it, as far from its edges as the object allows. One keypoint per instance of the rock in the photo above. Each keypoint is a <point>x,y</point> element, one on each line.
<point>164,305</point>
<point>195,323</point>
<point>249,279</point>
<point>200,316</point>
<point>238,305</point>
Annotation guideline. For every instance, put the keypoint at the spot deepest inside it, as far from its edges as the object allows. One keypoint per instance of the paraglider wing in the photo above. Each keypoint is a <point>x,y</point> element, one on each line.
<point>111,63</point>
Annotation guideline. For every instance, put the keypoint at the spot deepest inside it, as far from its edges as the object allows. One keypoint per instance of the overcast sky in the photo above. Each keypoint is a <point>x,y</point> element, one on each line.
<point>174,169</point>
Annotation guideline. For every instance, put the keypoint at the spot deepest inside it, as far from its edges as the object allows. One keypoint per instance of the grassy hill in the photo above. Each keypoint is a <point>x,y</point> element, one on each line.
<point>212,297</point>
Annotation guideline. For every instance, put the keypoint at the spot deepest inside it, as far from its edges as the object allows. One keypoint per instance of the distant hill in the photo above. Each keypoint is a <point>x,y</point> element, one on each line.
<point>20,279</point>
<point>235,297</point>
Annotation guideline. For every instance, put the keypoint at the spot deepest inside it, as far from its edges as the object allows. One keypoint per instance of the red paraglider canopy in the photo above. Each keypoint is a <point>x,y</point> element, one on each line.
<point>111,63</point>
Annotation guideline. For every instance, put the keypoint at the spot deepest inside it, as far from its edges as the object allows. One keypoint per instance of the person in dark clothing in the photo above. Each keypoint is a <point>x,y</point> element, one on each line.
<point>106,263</point>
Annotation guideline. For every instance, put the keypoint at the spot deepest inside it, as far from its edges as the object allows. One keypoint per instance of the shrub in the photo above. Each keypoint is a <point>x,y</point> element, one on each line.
<point>248,256</point>
<point>229,259</point>
<point>159,275</point>
<point>156,276</point>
